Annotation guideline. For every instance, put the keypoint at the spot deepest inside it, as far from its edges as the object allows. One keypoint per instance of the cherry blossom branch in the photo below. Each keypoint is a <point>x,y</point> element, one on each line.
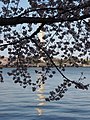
<point>21,20</point>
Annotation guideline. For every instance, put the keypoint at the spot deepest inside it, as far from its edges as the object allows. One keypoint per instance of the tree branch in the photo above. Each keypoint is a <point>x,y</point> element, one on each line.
<point>78,84</point>
<point>64,10</point>
<point>21,39</point>
<point>21,20</point>
<point>81,86</point>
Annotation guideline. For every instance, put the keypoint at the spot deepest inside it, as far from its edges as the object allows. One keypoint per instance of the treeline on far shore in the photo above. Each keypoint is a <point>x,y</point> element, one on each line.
<point>32,62</point>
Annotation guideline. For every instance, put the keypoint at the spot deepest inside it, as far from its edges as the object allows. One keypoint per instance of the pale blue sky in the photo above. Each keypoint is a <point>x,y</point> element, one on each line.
<point>24,3</point>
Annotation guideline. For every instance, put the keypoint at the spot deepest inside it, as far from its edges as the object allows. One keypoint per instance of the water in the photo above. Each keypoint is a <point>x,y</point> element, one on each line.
<point>17,103</point>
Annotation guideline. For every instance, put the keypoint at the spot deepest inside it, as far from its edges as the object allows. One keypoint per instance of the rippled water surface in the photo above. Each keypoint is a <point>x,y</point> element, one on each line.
<point>17,103</point>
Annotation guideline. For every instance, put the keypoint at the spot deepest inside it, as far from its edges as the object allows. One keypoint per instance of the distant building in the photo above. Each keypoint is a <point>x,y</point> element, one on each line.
<point>3,61</point>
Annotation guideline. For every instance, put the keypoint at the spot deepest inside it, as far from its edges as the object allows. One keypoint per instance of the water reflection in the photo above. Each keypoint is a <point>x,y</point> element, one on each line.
<point>41,98</point>
<point>39,111</point>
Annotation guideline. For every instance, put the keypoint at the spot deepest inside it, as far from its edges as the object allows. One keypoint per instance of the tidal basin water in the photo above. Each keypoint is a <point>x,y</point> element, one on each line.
<point>17,103</point>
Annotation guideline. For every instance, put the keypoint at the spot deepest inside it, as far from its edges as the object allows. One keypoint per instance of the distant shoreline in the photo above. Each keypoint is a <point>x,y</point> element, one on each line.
<point>33,66</point>
<point>32,62</point>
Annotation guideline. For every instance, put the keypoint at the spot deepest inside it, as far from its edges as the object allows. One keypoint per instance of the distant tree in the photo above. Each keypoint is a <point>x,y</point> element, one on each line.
<point>66,27</point>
